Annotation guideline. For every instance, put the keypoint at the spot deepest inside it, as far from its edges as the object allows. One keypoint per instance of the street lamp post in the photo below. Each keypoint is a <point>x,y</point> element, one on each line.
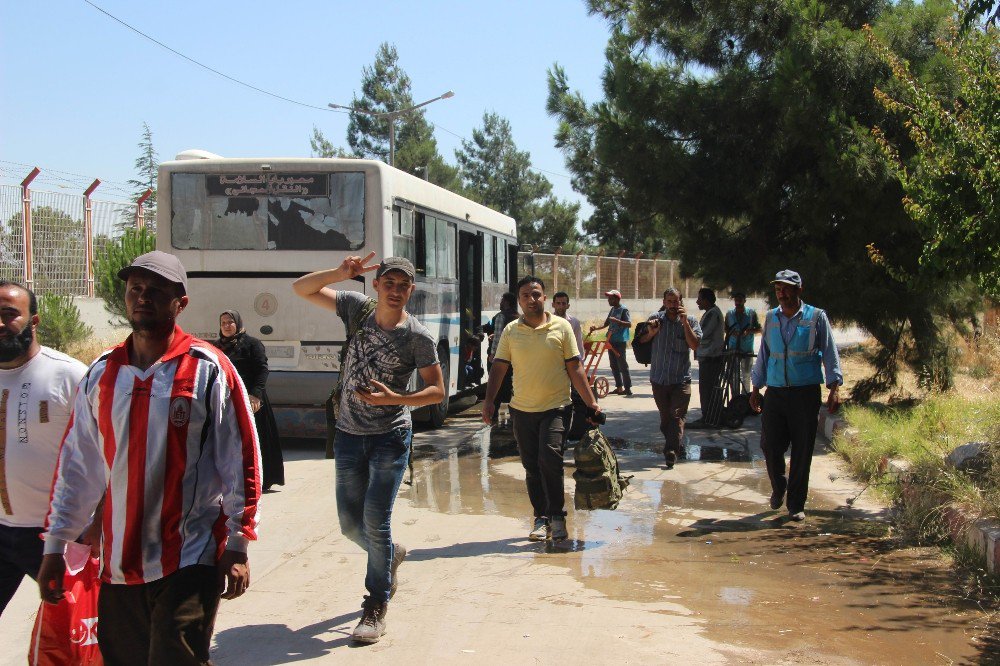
<point>391,117</point>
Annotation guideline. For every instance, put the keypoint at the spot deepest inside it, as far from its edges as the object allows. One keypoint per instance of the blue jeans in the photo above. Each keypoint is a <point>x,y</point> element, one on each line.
<point>370,469</point>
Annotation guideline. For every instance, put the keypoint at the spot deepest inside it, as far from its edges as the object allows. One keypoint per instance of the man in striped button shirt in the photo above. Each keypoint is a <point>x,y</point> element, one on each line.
<point>162,430</point>
<point>676,334</point>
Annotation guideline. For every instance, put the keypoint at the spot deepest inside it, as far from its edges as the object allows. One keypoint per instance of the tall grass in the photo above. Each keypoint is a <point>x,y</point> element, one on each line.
<point>922,435</point>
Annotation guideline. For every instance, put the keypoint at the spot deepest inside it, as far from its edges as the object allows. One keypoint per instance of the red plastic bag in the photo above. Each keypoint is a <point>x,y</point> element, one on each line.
<point>65,634</point>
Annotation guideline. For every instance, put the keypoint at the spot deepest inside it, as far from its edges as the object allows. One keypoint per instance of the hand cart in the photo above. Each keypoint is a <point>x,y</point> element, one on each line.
<point>729,405</point>
<point>593,352</point>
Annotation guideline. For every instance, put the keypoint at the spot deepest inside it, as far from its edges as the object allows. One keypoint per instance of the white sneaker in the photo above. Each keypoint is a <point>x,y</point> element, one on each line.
<point>540,532</point>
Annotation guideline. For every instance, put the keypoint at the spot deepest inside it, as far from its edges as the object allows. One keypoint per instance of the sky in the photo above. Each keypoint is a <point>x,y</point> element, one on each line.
<point>77,85</point>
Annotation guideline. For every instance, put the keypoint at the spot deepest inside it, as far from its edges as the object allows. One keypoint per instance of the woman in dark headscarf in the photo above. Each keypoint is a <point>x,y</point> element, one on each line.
<point>248,357</point>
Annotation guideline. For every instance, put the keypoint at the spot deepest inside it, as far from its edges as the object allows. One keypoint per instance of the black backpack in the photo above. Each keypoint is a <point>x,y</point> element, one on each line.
<point>599,482</point>
<point>643,351</point>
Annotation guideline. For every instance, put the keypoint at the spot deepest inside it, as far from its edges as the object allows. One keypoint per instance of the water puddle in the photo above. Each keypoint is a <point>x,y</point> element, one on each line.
<point>833,590</point>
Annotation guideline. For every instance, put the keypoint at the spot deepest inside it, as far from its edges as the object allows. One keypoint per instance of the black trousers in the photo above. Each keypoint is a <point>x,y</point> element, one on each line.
<point>20,555</point>
<point>539,437</point>
<point>789,418</point>
<point>709,392</point>
<point>167,622</point>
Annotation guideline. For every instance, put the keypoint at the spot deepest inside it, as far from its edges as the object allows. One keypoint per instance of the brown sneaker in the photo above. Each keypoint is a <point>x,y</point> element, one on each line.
<point>372,625</point>
<point>398,555</point>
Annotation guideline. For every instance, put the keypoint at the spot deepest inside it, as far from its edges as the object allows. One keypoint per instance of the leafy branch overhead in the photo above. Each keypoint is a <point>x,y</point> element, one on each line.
<point>951,181</point>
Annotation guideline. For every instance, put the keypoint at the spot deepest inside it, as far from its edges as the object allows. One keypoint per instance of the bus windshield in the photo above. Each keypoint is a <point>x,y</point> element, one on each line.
<point>267,211</point>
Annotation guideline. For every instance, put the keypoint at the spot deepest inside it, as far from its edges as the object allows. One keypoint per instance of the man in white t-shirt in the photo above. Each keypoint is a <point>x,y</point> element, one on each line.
<point>36,393</point>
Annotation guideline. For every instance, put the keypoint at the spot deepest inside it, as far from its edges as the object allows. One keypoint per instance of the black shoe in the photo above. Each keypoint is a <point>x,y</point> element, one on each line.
<point>628,391</point>
<point>398,555</point>
<point>372,625</point>
<point>670,457</point>
<point>777,499</point>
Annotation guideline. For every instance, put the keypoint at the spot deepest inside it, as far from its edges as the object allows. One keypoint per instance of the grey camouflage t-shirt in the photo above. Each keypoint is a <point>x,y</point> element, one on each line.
<point>386,356</point>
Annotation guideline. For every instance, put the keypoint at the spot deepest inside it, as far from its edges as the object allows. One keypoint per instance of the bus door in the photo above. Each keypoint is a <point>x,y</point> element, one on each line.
<point>470,303</point>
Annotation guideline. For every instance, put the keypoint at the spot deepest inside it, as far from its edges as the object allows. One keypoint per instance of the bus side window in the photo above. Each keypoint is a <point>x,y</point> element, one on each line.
<point>403,241</point>
<point>447,237</point>
<point>501,261</point>
<point>430,246</point>
<point>487,257</point>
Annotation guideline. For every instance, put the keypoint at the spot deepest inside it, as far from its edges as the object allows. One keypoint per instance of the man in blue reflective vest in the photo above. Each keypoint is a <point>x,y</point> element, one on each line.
<point>796,349</point>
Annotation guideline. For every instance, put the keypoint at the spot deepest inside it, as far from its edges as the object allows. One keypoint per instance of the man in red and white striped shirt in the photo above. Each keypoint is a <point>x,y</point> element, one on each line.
<point>161,429</point>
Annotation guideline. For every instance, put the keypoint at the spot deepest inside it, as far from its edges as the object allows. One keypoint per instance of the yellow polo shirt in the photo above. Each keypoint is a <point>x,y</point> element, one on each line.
<point>538,357</point>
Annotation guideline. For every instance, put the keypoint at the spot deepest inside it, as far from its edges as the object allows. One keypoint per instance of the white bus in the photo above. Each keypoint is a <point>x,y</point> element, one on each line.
<point>246,228</point>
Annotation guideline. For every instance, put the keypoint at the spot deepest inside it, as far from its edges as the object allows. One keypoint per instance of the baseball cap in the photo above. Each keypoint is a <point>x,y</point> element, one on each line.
<point>401,264</point>
<point>613,292</point>
<point>788,277</point>
<point>163,264</point>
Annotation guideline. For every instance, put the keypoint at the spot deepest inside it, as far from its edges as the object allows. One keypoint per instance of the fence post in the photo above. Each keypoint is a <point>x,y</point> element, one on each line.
<point>638,260</point>
<point>140,219</point>
<point>599,255</point>
<point>555,270</point>
<point>672,275</point>
<point>88,264</point>
<point>26,223</point>
<point>656,285</point>
<point>576,296</point>
<point>618,270</point>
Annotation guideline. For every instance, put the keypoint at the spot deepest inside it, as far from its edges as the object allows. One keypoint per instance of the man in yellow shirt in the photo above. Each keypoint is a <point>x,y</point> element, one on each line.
<point>542,350</point>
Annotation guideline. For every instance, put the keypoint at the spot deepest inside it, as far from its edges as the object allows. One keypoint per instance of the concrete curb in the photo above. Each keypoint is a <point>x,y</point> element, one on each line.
<point>980,535</point>
<point>831,424</point>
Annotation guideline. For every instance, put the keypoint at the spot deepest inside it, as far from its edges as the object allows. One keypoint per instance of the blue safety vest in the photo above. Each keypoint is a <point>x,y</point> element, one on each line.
<point>799,363</point>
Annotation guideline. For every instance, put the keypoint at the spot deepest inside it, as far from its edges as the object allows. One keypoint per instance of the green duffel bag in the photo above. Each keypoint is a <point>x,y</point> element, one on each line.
<point>597,492</point>
<point>599,482</point>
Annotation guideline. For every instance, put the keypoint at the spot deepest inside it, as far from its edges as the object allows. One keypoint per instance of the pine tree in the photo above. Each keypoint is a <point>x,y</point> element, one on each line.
<point>147,165</point>
<point>741,131</point>
<point>385,87</point>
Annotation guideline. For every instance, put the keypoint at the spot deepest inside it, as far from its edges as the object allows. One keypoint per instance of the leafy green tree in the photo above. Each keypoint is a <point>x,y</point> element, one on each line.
<point>147,166</point>
<point>556,225</point>
<point>117,255</point>
<point>622,218</point>
<point>496,174</point>
<point>385,87</point>
<point>57,248</point>
<point>739,129</point>
<point>975,8</point>
<point>950,184</point>
<point>322,147</point>
<point>60,325</point>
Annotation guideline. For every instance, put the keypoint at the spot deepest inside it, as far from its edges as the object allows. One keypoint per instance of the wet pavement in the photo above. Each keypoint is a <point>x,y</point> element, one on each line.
<point>691,568</point>
<point>834,590</point>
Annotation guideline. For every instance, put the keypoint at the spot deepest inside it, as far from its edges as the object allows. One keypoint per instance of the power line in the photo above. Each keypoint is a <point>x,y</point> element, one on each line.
<point>204,66</point>
<point>261,90</point>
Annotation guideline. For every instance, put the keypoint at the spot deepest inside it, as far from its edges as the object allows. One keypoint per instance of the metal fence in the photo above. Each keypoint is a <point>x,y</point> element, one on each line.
<point>48,239</point>
<point>584,276</point>
<point>64,231</point>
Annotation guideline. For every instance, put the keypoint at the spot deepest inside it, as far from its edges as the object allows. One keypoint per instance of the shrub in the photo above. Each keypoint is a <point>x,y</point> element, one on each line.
<point>59,322</point>
<point>114,257</point>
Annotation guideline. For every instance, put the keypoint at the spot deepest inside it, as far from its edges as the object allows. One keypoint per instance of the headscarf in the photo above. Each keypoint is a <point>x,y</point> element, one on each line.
<point>226,344</point>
